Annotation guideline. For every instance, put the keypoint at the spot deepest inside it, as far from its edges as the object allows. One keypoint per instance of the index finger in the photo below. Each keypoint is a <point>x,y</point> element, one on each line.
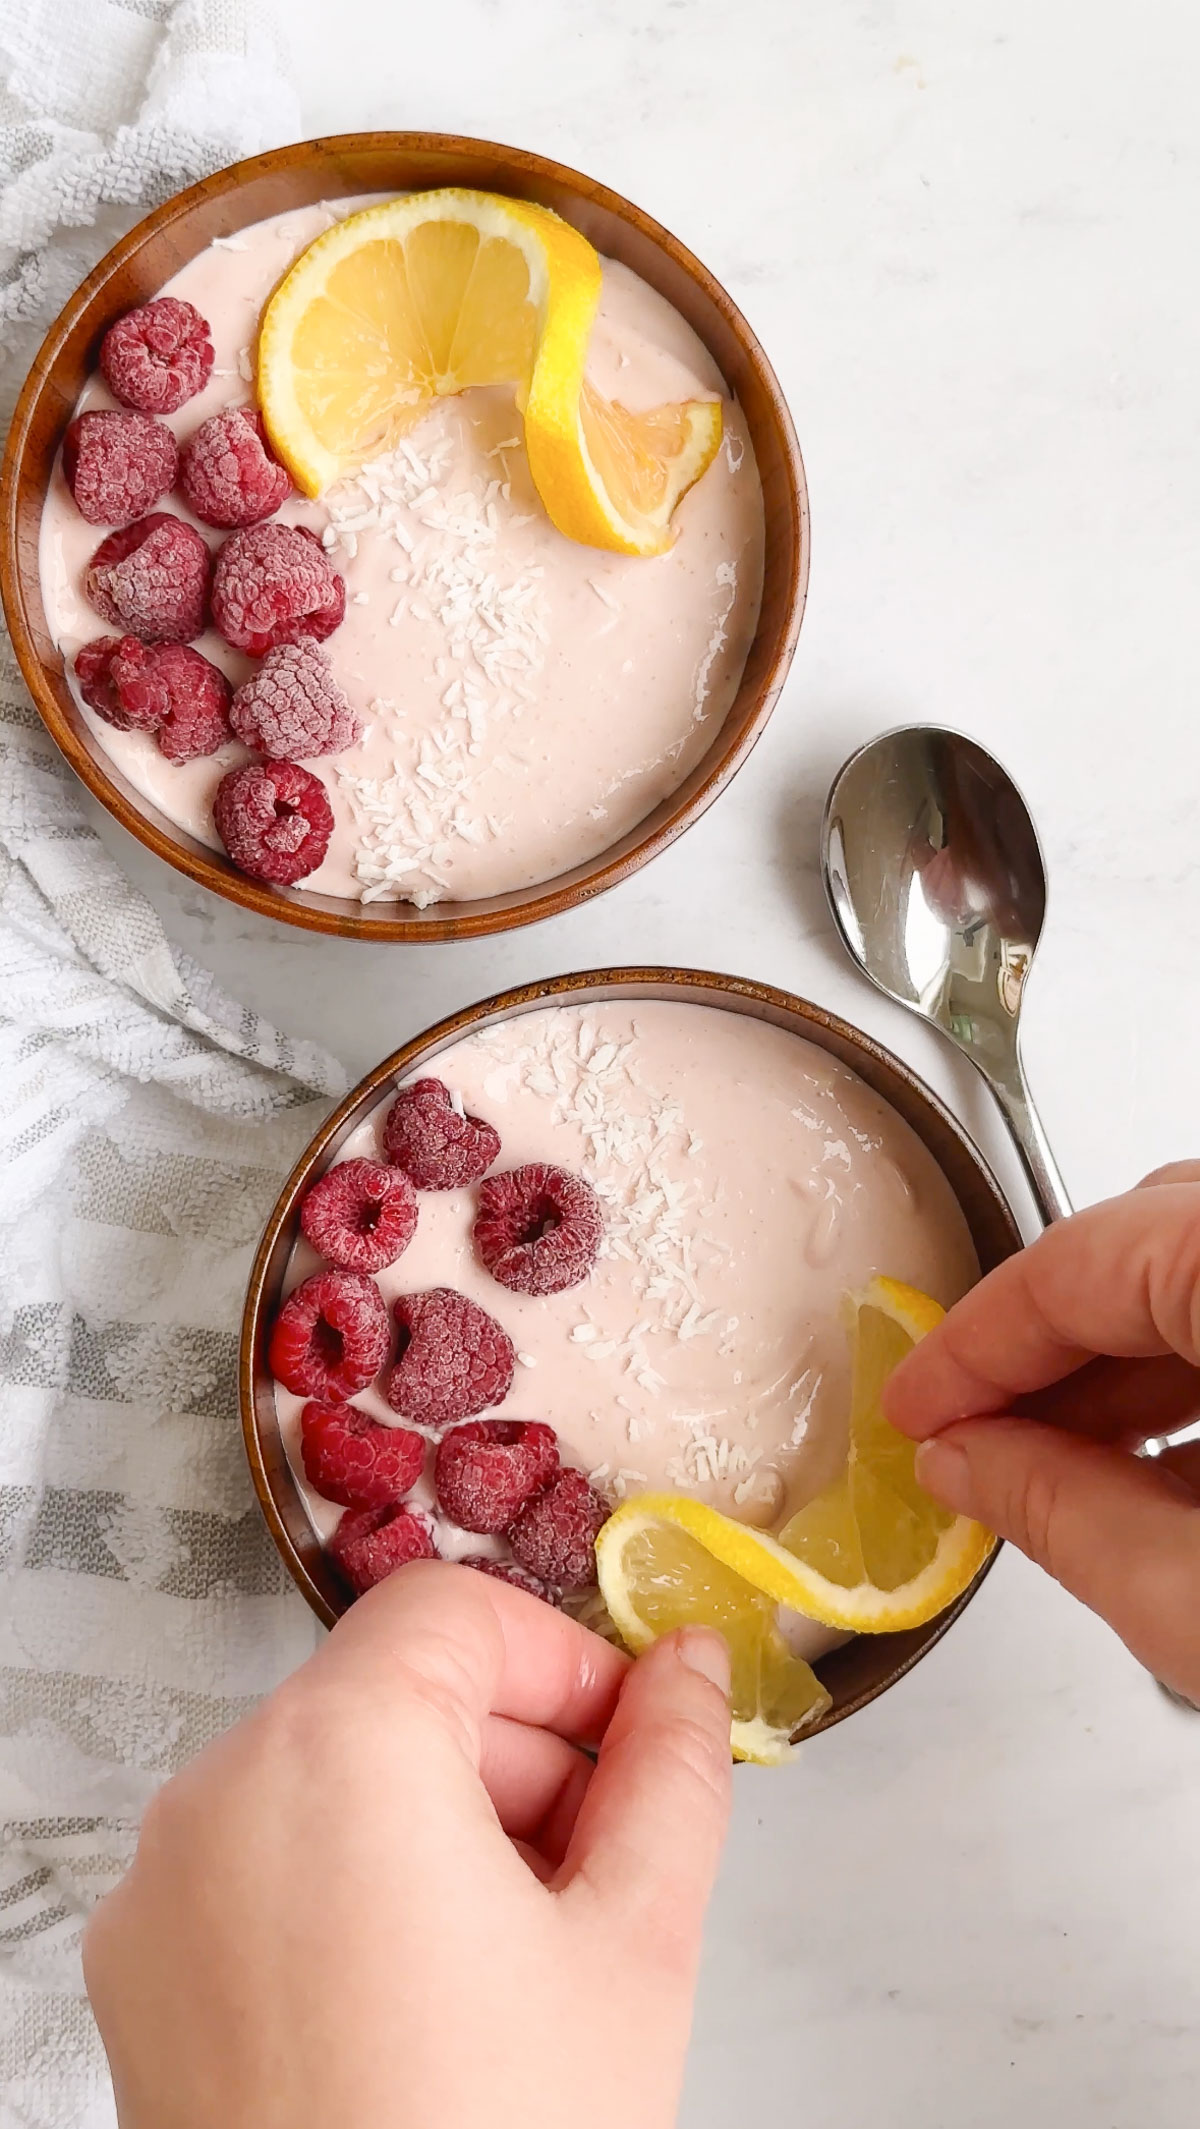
<point>473,1646</point>
<point>1122,1278</point>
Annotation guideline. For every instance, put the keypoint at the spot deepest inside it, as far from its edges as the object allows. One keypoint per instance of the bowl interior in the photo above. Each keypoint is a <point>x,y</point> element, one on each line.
<point>867,1665</point>
<point>359,163</point>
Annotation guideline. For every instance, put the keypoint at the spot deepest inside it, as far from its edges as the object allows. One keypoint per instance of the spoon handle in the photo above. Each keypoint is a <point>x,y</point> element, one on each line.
<point>1029,1138</point>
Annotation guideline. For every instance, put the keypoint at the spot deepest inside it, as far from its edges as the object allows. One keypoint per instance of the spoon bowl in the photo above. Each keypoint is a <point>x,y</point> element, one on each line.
<point>937,885</point>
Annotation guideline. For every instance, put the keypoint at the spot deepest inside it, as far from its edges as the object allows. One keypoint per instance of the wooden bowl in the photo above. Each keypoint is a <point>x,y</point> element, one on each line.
<point>378,162</point>
<point>866,1666</point>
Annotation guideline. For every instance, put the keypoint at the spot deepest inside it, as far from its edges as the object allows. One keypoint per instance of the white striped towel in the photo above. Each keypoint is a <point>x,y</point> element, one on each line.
<point>145,1123</point>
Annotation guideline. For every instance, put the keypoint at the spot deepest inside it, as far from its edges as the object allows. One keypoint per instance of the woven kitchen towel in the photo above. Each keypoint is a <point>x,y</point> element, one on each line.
<point>145,1123</point>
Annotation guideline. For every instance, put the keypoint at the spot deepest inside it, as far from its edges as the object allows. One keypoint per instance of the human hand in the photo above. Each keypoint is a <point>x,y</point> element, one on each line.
<point>1031,1396</point>
<point>401,1896</point>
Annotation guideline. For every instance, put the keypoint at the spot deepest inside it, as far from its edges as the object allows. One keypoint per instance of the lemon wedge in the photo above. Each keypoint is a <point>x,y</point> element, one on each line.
<point>659,1568</point>
<point>612,479</point>
<point>433,293</point>
<point>874,1554</point>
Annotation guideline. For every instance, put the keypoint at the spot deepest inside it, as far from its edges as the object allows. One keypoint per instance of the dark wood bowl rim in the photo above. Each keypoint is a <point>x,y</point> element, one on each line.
<point>523,173</point>
<point>878,1065</point>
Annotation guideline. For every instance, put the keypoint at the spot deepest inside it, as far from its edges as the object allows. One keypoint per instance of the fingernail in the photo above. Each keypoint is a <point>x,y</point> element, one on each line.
<point>944,1470</point>
<point>708,1654</point>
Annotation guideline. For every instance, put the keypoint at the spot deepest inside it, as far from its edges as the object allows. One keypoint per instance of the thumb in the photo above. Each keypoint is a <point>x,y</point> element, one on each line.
<point>650,1831</point>
<point>1120,1534</point>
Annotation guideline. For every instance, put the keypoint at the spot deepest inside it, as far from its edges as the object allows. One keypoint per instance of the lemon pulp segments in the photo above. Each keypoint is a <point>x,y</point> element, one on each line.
<point>656,1575</point>
<point>635,467</point>
<point>875,1552</point>
<point>413,299</point>
<point>440,291</point>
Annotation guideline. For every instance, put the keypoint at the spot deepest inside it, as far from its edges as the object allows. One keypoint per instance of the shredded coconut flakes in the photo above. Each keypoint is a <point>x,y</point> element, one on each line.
<point>492,629</point>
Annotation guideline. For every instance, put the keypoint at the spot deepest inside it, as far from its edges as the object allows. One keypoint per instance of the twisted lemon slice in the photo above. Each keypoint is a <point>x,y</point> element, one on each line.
<point>871,1554</point>
<point>433,293</point>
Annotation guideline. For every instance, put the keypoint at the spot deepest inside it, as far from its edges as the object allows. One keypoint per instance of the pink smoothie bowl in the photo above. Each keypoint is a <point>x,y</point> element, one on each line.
<point>348,166</point>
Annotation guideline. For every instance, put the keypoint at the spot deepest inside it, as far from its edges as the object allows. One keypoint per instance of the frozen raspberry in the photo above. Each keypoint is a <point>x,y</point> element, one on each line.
<point>360,1215</point>
<point>94,663</point>
<point>508,1571</point>
<point>452,1359</point>
<point>351,1459</point>
<point>274,819</point>
<point>436,1145</point>
<point>331,1336</point>
<point>486,1471</point>
<point>227,472</point>
<point>554,1536</point>
<point>157,356</point>
<point>152,579</point>
<point>117,464</point>
<point>369,1544</point>
<point>274,584</point>
<point>293,708</point>
<point>538,1229</point>
<point>196,718</point>
<point>164,688</point>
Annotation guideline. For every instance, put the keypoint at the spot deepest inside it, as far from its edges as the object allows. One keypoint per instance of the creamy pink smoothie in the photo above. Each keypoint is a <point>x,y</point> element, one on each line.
<point>525,700</point>
<point>748,1181</point>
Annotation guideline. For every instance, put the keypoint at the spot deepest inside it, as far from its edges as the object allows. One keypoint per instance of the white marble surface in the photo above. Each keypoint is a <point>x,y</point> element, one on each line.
<point>967,238</point>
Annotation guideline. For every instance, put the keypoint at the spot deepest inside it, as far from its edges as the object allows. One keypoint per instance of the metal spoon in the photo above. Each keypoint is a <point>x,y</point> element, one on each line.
<point>936,881</point>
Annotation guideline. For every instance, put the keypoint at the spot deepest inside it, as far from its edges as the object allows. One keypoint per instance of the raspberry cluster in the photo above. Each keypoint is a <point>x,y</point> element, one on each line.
<point>270,590</point>
<point>450,1359</point>
<point>492,1477</point>
<point>502,1477</point>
